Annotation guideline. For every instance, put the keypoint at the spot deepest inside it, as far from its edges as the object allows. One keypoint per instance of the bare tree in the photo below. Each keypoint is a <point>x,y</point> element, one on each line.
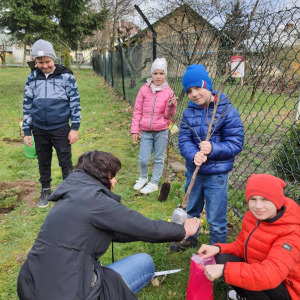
<point>117,10</point>
<point>5,42</point>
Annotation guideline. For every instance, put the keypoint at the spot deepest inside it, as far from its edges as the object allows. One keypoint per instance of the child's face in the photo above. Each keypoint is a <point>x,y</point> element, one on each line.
<point>45,64</point>
<point>262,208</point>
<point>199,96</point>
<point>158,77</point>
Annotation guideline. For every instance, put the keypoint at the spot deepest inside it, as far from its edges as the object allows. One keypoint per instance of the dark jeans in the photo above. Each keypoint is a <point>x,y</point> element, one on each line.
<point>44,141</point>
<point>279,293</point>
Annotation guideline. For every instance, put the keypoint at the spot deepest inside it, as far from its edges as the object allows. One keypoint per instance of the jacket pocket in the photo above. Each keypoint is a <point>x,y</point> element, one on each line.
<point>220,179</point>
<point>38,111</point>
<point>95,285</point>
<point>58,111</point>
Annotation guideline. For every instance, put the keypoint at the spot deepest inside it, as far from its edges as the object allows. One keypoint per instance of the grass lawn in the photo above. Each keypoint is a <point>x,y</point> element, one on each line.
<point>105,126</point>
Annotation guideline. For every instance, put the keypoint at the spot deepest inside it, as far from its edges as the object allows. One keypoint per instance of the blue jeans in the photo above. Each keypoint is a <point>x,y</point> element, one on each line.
<point>212,187</point>
<point>137,270</point>
<point>153,141</point>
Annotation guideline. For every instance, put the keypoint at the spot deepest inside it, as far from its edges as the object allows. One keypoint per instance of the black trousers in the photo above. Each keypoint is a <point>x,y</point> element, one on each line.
<point>279,293</point>
<point>44,141</point>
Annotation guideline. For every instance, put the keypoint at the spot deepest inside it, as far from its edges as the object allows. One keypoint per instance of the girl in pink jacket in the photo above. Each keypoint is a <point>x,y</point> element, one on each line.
<point>155,105</point>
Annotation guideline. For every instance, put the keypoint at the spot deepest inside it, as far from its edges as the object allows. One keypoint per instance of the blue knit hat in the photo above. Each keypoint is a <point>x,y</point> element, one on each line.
<point>196,75</point>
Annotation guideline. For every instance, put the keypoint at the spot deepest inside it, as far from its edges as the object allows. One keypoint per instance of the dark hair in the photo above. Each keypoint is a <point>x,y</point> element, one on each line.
<point>189,89</point>
<point>103,166</point>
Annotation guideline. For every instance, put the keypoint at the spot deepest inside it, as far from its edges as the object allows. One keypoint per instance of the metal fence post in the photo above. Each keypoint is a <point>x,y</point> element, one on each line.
<point>154,33</point>
<point>122,70</point>
<point>112,68</point>
<point>105,76</point>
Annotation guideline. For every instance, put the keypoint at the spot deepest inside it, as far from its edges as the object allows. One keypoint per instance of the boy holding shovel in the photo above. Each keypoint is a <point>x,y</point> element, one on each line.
<point>215,157</point>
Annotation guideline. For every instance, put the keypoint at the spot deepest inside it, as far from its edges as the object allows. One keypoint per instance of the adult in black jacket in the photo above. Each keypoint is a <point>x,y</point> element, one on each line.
<point>63,262</point>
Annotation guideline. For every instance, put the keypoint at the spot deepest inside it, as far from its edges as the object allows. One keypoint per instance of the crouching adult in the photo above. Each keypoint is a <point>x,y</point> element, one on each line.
<point>264,261</point>
<point>87,216</point>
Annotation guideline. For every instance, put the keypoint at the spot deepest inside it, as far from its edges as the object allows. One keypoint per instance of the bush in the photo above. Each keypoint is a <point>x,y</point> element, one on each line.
<point>67,62</point>
<point>286,161</point>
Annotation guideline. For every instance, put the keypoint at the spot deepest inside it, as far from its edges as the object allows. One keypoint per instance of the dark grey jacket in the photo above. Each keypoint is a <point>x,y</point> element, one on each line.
<point>79,228</point>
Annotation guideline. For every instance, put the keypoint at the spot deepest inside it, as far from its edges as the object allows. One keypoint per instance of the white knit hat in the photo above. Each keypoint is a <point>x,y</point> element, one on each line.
<point>159,64</point>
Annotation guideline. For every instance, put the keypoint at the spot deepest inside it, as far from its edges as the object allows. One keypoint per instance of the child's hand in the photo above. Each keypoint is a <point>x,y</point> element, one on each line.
<point>208,251</point>
<point>205,147</point>
<point>200,158</point>
<point>135,137</point>
<point>28,140</point>
<point>73,136</point>
<point>173,100</point>
<point>213,272</point>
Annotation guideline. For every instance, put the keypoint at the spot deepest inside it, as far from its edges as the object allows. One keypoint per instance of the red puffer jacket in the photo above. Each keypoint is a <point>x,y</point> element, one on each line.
<point>271,250</point>
<point>152,111</point>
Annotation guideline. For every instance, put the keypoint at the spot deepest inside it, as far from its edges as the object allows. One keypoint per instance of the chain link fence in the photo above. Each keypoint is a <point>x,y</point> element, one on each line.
<point>267,97</point>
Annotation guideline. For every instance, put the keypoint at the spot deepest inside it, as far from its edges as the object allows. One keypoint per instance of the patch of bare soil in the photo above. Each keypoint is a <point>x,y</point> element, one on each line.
<point>13,141</point>
<point>27,192</point>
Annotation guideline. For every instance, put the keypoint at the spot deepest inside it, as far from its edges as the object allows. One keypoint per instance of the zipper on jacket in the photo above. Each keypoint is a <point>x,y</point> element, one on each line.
<point>152,113</point>
<point>94,279</point>
<point>46,103</point>
<point>202,124</point>
<point>248,240</point>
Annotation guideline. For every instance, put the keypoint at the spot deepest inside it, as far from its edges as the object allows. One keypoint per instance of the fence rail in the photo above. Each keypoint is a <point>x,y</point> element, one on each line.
<point>267,97</point>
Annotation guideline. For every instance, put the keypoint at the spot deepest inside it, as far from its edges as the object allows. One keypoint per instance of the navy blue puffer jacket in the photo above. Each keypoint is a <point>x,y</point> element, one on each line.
<point>227,139</point>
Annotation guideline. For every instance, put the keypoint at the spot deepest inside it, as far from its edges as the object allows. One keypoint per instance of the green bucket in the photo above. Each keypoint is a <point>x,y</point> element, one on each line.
<point>30,151</point>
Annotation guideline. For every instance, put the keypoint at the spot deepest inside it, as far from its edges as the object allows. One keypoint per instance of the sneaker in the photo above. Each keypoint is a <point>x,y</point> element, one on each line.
<point>190,242</point>
<point>140,183</point>
<point>149,188</point>
<point>232,295</point>
<point>45,194</point>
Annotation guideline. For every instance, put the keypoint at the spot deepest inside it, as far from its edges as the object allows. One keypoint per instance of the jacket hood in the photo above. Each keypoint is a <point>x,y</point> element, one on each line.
<point>80,179</point>
<point>289,214</point>
<point>211,105</point>
<point>59,69</point>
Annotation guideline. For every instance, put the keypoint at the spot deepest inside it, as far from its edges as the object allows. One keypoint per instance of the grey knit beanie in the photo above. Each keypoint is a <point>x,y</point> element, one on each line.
<point>42,48</point>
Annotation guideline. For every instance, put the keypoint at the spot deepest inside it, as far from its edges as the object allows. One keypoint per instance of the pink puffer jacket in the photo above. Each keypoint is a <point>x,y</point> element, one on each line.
<point>152,111</point>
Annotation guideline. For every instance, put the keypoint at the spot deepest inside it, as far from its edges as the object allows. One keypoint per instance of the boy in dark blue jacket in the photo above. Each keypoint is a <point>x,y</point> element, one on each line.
<point>215,157</point>
<point>51,99</point>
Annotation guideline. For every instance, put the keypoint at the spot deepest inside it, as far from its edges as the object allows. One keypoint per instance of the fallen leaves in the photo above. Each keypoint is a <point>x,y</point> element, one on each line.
<point>155,282</point>
<point>203,231</point>
<point>90,130</point>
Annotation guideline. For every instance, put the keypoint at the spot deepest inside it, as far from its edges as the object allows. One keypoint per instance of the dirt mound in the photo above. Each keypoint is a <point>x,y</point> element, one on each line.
<point>27,192</point>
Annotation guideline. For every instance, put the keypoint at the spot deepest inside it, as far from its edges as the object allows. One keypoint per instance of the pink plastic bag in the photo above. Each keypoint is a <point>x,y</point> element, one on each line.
<point>199,287</point>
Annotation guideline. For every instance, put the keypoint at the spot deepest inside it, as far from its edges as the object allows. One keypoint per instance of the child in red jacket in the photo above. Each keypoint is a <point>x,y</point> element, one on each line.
<point>155,105</point>
<point>264,261</point>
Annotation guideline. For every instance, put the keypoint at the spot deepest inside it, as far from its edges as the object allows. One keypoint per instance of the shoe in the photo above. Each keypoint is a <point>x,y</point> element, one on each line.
<point>232,295</point>
<point>149,188</point>
<point>190,242</point>
<point>45,194</point>
<point>140,183</point>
